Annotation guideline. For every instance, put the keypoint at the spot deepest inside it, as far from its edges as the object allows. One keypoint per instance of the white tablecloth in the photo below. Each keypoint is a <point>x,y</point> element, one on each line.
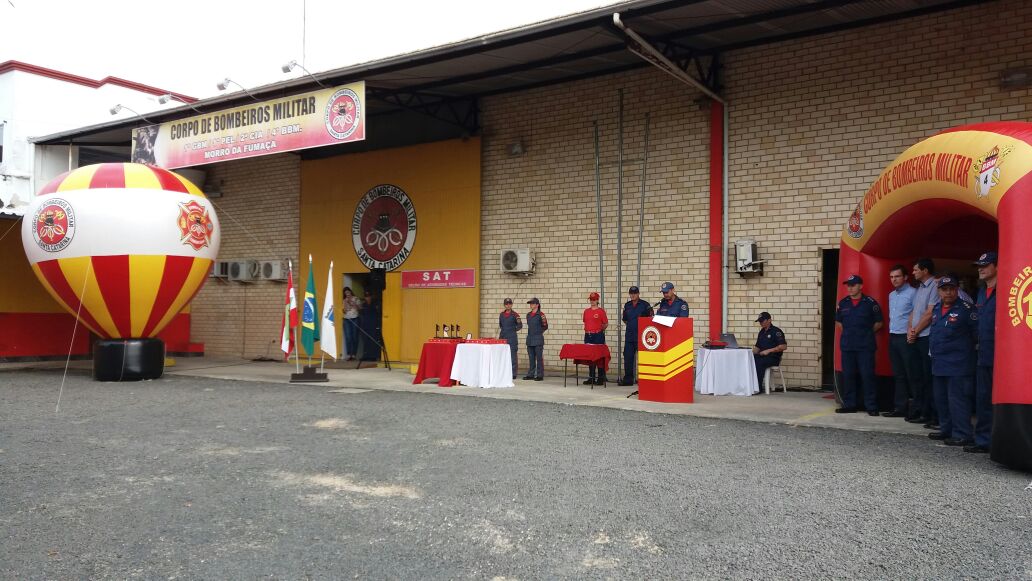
<point>726,372</point>
<point>482,365</point>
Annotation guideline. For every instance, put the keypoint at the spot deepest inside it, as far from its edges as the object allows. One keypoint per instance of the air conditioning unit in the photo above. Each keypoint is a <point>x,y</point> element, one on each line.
<point>243,270</point>
<point>517,261</point>
<point>746,259</point>
<point>272,270</point>
<point>220,269</point>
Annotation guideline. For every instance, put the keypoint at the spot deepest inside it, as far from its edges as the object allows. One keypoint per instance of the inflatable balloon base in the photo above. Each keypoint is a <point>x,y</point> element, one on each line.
<point>128,359</point>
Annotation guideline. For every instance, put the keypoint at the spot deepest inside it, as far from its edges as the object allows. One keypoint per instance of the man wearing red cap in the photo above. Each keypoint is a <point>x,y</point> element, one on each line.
<point>595,323</point>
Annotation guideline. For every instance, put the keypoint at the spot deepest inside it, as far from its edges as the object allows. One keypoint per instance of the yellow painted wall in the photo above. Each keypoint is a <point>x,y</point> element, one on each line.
<point>443,181</point>
<point>20,290</point>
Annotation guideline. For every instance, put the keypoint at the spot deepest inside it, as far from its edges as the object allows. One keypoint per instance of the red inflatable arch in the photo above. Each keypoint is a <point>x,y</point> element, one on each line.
<point>952,197</point>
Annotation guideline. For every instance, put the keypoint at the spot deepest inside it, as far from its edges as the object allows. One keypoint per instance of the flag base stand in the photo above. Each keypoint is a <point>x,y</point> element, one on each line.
<point>309,375</point>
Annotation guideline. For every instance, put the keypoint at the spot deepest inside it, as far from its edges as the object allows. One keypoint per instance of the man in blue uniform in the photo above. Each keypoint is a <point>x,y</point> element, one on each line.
<point>632,309</point>
<point>671,305</point>
<point>537,324</point>
<point>954,330</point>
<point>985,303</point>
<point>858,317</point>
<point>509,323</point>
<point>770,344</point>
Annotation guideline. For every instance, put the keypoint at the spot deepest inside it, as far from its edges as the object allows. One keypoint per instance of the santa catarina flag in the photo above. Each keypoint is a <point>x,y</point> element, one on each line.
<point>289,315</point>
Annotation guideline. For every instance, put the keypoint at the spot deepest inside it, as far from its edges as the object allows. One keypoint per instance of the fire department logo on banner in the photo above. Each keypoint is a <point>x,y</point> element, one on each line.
<point>54,225</point>
<point>855,227</point>
<point>383,229</point>
<point>987,170</point>
<point>651,338</point>
<point>1019,299</point>
<point>195,225</point>
<point>343,113</point>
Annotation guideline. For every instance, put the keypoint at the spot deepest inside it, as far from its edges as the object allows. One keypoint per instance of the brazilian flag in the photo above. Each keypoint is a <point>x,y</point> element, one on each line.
<point>309,330</point>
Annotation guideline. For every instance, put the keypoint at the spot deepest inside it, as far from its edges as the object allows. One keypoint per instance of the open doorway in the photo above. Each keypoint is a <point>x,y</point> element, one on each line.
<point>363,319</point>
<point>829,299</point>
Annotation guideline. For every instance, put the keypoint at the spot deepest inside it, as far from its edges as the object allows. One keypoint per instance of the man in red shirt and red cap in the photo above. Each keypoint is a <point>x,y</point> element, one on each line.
<point>595,323</point>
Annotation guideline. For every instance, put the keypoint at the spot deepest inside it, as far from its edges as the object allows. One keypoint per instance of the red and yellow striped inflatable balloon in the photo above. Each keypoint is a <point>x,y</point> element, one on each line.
<point>123,246</point>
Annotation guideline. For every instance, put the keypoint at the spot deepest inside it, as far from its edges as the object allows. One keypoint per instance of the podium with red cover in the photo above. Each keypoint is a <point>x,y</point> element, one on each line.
<point>666,361</point>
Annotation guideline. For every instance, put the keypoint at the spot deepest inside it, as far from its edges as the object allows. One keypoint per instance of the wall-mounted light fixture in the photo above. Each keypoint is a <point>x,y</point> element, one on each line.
<point>224,83</point>
<point>517,148</point>
<point>1016,78</point>
<point>118,108</point>
<point>169,97</point>
<point>286,68</point>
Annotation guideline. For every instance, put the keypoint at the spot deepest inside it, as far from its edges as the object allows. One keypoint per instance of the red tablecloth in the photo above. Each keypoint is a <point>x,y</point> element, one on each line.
<point>436,361</point>
<point>583,354</point>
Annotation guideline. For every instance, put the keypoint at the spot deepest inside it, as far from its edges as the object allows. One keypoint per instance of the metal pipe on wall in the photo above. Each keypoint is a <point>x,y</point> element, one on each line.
<point>619,234</point>
<point>641,211</point>
<point>598,213</point>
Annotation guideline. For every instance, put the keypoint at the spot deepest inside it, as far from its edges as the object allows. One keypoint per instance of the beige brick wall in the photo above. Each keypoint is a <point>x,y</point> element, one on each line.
<point>258,213</point>
<point>812,122</point>
<point>545,199</point>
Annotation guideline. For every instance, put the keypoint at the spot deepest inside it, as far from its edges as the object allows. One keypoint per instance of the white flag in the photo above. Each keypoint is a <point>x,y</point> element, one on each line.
<point>328,331</point>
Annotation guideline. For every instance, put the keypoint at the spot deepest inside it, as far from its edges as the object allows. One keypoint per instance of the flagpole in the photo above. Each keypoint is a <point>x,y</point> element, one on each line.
<point>314,314</point>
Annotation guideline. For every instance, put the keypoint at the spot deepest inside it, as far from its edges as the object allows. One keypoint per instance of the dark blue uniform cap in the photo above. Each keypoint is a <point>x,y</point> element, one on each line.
<point>507,302</point>
<point>534,301</point>
<point>633,290</point>
<point>764,316</point>
<point>947,281</point>
<point>667,287</point>
<point>853,279</point>
<point>986,259</point>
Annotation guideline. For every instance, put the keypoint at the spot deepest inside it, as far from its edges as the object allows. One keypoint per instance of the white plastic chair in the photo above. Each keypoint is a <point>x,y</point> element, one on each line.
<point>767,376</point>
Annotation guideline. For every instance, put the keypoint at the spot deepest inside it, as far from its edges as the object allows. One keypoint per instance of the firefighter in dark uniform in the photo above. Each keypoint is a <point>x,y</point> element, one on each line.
<point>952,345</point>
<point>632,309</point>
<point>671,305</point>
<point>770,344</point>
<point>509,323</point>
<point>985,304</point>
<point>858,317</point>
<point>537,324</point>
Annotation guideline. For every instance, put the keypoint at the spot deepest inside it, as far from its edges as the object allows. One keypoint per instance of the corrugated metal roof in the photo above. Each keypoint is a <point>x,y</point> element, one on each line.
<point>577,46</point>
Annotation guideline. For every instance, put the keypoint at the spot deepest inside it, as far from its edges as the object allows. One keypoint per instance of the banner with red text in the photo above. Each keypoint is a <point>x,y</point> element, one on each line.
<point>325,117</point>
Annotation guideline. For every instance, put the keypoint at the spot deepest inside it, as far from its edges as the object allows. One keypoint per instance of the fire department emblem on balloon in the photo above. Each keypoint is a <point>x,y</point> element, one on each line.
<point>195,225</point>
<point>651,338</point>
<point>343,113</point>
<point>855,226</point>
<point>383,230</point>
<point>988,171</point>
<point>54,225</point>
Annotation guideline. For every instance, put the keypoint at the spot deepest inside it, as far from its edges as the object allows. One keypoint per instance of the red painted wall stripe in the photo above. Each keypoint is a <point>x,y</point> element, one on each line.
<point>108,175</point>
<point>55,276</point>
<point>113,280</point>
<point>177,268</point>
<point>716,219</point>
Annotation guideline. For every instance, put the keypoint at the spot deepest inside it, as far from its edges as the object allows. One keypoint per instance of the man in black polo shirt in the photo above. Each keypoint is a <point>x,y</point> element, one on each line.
<point>770,344</point>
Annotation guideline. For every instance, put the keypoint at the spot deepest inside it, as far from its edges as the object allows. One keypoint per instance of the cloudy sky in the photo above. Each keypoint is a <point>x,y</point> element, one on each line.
<point>187,46</point>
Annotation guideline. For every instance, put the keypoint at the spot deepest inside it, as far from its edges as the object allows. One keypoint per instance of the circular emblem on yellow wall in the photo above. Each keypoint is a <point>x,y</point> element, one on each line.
<point>383,229</point>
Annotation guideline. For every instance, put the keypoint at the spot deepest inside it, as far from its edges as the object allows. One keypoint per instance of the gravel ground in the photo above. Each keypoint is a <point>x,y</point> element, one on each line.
<point>209,479</point>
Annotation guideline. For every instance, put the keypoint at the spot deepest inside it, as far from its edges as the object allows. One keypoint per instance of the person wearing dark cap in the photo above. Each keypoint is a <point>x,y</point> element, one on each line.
<point>632,309</point>
<point>770,344</point>
<point>509,323</point>
<point>537,324</point>
<point>671,305</point>
<point>595,324</point>
<point>952,343</point>
<point>985,306</point>
<point>858,317</point>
